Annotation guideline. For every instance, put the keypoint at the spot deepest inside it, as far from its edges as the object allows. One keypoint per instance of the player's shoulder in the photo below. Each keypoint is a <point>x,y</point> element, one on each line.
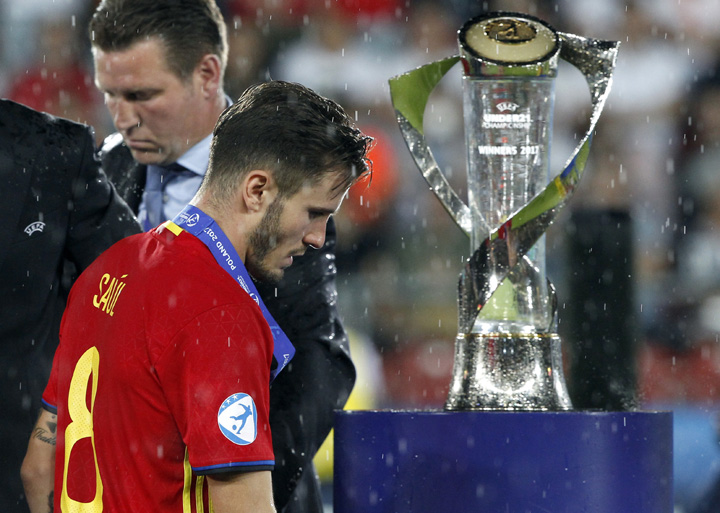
<point>186,258</point>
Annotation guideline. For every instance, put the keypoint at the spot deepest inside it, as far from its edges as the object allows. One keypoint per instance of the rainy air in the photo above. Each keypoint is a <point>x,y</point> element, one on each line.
<point>360,256</point>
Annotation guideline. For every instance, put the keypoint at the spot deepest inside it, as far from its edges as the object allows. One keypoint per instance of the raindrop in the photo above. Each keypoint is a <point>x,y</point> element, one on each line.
<point>402,445</point>
<point>373,498</point>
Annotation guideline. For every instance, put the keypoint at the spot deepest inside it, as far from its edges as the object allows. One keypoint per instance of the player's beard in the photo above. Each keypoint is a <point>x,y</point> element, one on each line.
<point>266,237</point>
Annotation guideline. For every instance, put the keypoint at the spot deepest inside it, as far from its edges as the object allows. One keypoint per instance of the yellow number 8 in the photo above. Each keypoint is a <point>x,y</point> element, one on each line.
<point>81,426</point>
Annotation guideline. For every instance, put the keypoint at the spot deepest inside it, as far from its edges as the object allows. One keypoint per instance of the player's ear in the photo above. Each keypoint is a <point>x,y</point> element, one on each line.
<point>259,190</point>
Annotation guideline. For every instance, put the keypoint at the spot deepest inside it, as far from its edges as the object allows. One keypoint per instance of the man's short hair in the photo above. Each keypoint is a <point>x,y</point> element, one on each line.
<point>291,131</point>
<point>189,29</point>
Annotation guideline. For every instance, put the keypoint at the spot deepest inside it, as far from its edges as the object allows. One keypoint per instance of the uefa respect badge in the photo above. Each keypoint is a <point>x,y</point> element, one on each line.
<point>237,419</point>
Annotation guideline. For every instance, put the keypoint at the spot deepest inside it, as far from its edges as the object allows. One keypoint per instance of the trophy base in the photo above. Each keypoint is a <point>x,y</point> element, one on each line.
<point>501,371</point>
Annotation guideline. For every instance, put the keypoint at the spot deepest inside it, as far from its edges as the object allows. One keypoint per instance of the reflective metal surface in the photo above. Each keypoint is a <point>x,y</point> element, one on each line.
<point>508,372</point>
<point>507,350</point>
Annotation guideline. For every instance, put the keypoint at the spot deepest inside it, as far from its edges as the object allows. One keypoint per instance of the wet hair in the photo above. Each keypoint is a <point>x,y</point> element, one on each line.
<point>188,29</point>
<point>290,131</point>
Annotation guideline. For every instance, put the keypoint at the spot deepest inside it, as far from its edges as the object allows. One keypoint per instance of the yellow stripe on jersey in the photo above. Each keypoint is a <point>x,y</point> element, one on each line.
<point>187,484</point>
<point>200,507</point>
<point>200,483</point>
<point>172,227</point>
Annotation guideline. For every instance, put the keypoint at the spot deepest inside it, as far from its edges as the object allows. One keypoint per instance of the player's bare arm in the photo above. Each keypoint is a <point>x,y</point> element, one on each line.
<point>243,492</point>
<point>38,468</point>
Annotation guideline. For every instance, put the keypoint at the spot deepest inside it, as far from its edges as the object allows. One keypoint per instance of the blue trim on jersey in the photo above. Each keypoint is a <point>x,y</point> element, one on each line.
<point>261,463</point>
<point>49,407</point>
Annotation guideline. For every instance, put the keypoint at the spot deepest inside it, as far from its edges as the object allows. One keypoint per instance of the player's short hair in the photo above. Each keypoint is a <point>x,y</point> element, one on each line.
<point>291,131</point>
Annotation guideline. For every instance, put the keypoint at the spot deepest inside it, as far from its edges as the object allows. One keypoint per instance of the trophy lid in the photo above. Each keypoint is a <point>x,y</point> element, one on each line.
<point>507,43</point>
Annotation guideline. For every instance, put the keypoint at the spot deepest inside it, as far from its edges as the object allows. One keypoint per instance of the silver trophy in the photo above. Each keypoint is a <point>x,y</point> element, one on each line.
<point>507,351</point>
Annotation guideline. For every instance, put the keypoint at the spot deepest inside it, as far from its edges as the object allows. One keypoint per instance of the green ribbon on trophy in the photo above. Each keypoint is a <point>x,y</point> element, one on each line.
<point>509,62</point>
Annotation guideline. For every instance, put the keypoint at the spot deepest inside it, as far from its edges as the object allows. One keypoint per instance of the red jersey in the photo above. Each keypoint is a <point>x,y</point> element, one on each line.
<point>161,376</point>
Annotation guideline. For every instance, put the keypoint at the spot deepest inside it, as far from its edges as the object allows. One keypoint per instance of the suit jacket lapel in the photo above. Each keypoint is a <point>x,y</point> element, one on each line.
<point>137,177</point>
<point>124,172</point>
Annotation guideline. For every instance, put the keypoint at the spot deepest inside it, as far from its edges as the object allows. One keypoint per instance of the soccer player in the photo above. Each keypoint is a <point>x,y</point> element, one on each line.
<point>160,385</point>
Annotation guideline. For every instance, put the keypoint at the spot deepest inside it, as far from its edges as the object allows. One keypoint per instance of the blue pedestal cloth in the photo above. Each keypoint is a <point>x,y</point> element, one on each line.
<point>503,462</point>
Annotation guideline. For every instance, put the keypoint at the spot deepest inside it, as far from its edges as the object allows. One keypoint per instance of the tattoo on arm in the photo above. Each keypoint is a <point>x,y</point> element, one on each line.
<point>47,433</point>
<point>51,502</point>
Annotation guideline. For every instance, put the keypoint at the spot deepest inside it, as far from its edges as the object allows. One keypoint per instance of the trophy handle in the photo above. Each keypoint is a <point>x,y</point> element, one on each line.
<point>410,93</point>
<point>596,61</point>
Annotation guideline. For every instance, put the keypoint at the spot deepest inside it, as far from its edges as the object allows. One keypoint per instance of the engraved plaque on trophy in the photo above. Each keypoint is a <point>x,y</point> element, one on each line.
<point>507,351</point>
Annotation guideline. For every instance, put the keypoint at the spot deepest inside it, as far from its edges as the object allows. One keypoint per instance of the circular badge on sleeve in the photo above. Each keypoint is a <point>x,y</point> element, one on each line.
<point>237,419</point>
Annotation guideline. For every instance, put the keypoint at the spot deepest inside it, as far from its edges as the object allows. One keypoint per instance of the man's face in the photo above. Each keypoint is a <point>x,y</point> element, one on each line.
<point>159,115</point>
<point>289,226</point>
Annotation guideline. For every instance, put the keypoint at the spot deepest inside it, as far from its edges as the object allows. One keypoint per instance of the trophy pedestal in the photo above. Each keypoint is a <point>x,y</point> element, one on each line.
<point>503,462</point>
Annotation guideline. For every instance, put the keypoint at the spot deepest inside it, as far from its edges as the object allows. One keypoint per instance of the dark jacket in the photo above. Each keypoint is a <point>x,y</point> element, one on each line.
<point>320,376</point>
<point>56,206</point>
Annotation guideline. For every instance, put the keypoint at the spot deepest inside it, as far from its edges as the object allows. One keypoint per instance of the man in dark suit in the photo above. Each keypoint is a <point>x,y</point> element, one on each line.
<point>160,66</point>
<point>57,206</point>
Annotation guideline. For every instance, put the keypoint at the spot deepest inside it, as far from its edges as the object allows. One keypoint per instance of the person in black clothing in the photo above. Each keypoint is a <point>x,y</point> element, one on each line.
<point>57,206</point>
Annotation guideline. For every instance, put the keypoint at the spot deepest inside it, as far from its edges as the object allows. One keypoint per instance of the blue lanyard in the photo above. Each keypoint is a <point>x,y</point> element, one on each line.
<point>198,223</point>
